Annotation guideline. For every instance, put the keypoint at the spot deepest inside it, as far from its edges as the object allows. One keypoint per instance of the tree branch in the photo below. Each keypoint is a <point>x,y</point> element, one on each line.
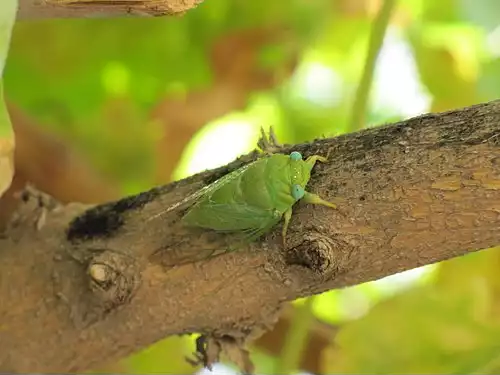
<point>79,288</point>
<point>41,9</point>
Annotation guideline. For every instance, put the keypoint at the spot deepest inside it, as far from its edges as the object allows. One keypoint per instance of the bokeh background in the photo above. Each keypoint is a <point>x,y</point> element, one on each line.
<point>104,108</point>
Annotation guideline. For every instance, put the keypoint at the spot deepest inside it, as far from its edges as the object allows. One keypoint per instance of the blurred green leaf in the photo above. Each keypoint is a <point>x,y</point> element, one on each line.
<point>447,60</point>
<point>488,85</point>
<point>443,11</point>
<point>8,10</point>
<point>165,357</point>
<point>450,326</point>
<point>480,12</point>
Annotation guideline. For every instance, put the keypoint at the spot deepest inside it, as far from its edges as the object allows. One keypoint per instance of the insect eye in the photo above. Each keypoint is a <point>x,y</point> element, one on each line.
<point>295,155</point>
<point>297,192</point>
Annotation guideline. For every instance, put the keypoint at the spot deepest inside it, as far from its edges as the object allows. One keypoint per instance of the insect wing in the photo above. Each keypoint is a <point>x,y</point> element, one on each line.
<point>173,257</point>
<point>240,217</point>
<point>204,191</point>
<point>255,221</point>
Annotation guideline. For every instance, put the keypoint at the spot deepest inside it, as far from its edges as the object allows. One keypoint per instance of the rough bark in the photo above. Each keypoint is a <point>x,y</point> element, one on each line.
<point>43,9</point>
<point>79,288</point>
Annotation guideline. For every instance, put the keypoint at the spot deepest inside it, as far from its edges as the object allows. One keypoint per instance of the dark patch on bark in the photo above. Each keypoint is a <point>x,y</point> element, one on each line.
<point>105,220</point>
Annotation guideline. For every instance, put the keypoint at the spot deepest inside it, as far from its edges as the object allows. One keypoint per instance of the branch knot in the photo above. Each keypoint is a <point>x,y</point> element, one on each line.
<point>114,277</point>
<point>319,253</point>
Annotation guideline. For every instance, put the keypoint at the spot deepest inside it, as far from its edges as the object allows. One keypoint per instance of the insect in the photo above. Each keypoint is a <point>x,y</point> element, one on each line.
<point>253,199</point>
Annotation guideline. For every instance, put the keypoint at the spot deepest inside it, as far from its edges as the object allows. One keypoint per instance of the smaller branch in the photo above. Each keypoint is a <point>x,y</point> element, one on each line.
<point>320,336</point>
<point>296,339</point>
<point>379,28</point>
<point>42,9</point>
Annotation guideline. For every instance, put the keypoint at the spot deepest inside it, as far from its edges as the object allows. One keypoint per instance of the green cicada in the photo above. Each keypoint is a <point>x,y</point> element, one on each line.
<point>253,199</point>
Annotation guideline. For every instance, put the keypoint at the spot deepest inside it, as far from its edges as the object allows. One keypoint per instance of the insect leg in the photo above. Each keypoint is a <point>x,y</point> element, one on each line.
<point>287,216</point>
<point>316,199</point>
<point>311,160</point>
<point>268,144</point>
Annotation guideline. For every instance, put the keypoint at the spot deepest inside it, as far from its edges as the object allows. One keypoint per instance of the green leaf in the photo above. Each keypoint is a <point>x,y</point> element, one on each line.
<point>447,57</point>
<point>164,357</point>
<point>8,10</point>
<point>442,11</point>
<point>480,12</point>
<point>489,81</point>
<point>6,146</point>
